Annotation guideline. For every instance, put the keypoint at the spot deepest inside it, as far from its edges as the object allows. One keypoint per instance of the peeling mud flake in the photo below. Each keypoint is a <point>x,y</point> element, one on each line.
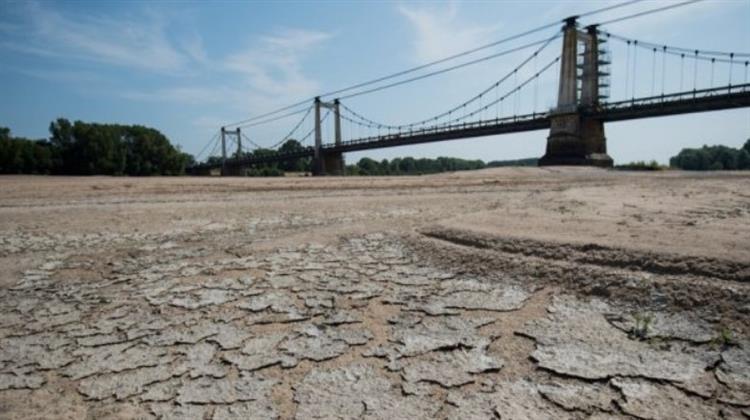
<point>577,340</point>
<point>356,391</point>
<point>204,390</point>
<point>21,379</point>
<point>199,361</point>
<point>734,372</point>
<point>203,298</point>
<point>450,369</point>
<point>342,317</point>
<point>647,400</point>
<point>125,384</point>
<point>440,333</point>
<point>260,352</point>
<point>183,335</point>
<point>116,358</point>
<point>229,336</point>
<point>579,396</point>
<point>318,344</point>
<point>170,411</point>
<point>252,410</point>
<point>519,400</point>
<point>501,299</point>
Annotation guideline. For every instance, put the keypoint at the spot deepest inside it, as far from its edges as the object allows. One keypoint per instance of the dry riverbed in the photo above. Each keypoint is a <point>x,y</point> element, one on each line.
<point>558,293</point>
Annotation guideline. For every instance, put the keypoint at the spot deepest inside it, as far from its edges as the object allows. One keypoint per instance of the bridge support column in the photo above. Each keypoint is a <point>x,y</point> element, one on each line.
<point>327,162</point>
<point>574,138</point>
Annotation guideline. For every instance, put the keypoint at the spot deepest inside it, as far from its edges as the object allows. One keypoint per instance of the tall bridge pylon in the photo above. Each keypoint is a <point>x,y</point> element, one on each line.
<point>327,162</point>
<point>575,138</point>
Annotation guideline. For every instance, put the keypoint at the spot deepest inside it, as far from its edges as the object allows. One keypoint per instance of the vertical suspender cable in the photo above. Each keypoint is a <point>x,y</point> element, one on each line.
<point>515,96</point>
<point>557,72</point>
<point>695,70</point>
<point>682,70</point>
<point>731,65</point>
<point>663,68</point>
<point>713,61</point>
<point>635,64</point>
<point>497,106</point>
<point>653,72</point>
<point>536,84</point>
<point>627,72</point>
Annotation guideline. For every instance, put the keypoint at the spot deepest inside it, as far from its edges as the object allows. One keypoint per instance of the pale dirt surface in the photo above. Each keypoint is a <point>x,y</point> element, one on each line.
<point>514,293</point>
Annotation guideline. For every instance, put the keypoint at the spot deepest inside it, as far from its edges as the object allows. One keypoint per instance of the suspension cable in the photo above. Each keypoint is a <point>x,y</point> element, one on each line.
<point>291,114</point>
<point>463,105</point>
<point>648,12</point>
<point>432,63</point>
<point>296,127</point>
<point>447,69</point>
<point>207,145</point>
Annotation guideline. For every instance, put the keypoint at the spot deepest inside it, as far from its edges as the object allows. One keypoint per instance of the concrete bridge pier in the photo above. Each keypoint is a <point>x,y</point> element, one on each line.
<point>331,163</point>
<point>574,138</point>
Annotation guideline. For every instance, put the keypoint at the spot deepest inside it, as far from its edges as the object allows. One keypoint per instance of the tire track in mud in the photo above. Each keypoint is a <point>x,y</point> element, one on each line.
<point>594,254</point>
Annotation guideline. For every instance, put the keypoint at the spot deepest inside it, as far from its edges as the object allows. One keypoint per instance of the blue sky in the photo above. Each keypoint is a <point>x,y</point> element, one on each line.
<point>187,68</point>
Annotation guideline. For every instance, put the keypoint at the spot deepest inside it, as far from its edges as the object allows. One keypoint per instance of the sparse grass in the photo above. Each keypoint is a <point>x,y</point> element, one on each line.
<point>724,338</point>
<point>642,326</point>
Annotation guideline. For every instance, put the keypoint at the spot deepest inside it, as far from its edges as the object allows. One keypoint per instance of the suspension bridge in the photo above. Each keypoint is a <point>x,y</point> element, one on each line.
<point>667,80</point>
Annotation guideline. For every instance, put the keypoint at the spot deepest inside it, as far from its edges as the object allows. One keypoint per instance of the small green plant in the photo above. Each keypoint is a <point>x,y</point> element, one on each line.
<point>724,338</point>
<point>642,326</point>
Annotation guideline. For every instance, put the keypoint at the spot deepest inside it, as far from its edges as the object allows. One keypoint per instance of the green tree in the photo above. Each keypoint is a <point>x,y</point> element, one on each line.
<point>301,164</point>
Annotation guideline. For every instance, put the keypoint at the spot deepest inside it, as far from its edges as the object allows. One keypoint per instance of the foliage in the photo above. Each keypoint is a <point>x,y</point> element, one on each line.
<point>294,165</point>
<point>515,162</point>
<point>713,158</point>
<point>412,166</point>
<point>642,166</point>
<point>93,149</point>
<point>23,156</point>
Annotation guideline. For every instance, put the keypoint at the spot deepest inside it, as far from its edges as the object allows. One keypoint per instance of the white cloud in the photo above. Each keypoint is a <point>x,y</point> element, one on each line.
<point>440,32</point>
<point>127,41</point>
<point>273,65</point>
<point>192,95</point>
<point>267,73</point>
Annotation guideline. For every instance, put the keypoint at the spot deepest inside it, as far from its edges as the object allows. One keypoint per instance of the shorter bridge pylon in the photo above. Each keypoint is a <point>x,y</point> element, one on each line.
<point>327,163</point>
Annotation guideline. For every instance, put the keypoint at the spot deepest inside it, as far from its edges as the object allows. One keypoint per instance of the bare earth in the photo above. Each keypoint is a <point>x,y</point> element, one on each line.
<point>560,293</point>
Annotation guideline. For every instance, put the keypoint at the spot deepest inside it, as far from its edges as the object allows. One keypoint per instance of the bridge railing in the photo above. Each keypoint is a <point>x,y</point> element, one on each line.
<point>673,97</point>
<point>443,128</point>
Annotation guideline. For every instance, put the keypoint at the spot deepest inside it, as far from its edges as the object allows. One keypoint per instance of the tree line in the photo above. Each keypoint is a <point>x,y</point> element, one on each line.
<point>713,158</point>
<point>411,166</point>
<point>364,167</point>
<point>82,148</point>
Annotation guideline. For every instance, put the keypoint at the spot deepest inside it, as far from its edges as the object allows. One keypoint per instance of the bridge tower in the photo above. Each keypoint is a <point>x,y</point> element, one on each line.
<point>574,138</point>
<point>327,162</point>
<point>234,169</point>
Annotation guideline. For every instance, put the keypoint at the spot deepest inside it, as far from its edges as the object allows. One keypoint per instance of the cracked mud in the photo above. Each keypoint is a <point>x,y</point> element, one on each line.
<point>391,309</point>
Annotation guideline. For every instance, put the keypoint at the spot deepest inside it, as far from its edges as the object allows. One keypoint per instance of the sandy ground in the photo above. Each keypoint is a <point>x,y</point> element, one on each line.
<point>507,293</point>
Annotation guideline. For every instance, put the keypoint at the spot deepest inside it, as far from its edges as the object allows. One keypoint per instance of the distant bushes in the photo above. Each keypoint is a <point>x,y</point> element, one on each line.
<point>516,162</point>
<point>642,166</point>
<point>713,158</point>
<point>412,166</point>
<point>92,149</point>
